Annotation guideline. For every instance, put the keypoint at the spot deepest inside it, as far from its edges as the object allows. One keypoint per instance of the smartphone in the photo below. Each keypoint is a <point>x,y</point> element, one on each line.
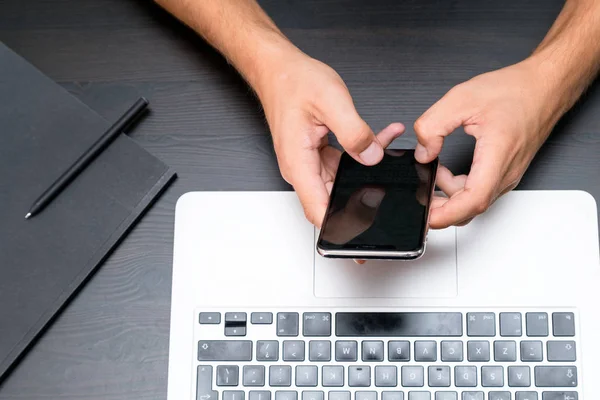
<point>380,211</point>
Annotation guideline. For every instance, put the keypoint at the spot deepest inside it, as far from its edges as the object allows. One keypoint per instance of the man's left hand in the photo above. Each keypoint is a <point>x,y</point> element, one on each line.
<point>510,112</point>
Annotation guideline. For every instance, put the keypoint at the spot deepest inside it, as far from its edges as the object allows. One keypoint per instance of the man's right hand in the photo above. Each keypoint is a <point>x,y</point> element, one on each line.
<point>304,100</point>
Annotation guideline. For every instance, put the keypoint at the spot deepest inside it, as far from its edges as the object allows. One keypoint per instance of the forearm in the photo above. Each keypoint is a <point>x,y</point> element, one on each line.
<point>240,30</point>
<point>569,56</point>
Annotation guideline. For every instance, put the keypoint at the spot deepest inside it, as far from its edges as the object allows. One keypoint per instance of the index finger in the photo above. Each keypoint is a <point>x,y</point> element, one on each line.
<point>311,191</point>
<point>487,170</point>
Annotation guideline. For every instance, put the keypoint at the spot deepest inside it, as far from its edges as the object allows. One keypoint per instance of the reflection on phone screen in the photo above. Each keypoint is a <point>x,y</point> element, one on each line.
<point>380,207</point>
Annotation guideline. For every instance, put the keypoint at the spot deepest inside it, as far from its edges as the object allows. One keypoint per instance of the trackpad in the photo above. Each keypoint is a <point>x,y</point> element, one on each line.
<point>433,275</point>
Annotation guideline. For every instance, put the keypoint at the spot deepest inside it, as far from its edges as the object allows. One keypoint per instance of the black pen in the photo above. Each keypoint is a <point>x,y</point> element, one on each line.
<point>117,128</point>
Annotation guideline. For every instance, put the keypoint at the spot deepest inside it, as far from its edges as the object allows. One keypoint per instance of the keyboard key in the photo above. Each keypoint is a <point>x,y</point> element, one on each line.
<point>280,375</point>
<point>254,375</point>
<point>262,318</point>
<point>481,324</point>
<point>511,324</point>
<point>204,384</point>
<point>225,350</point>
<point>359,376</point>
<point>398,324</point>
<point>210,318</point>
<point>505,351</point>
<point>235,324</point>
<point>425,351</point>
<point>556,376</point>
<point>563,324</point>
<point>259,395</point>
<point>560,396</point>
<point>228,375</point>
<point>446,396</point>
<point>339,395</point>
<point>526,396</point>
<point>531,351</point>
<point>537,324</point>
<point>293,350</point>
<point>313,395</point>
<point>286,395</point>
<point>392,396</point>
<point>561,351</point>
<point>333,375</point>
<point>452,351</point>
<point>287,324</point>
<point>419,396</point>
<point>519,376</point>
<point>235,331</point>
<point>319,350</point>
<point>478,351</point>
<point>306,375</point>
<point>316,324</point>
<point>234,395</point>
<point>363,395</point>
<point>346,350</point>
<point>386,376</point>
<point>399,351</point>
<point>413,376</point>
<point>267,350</point>
<point>465,376</point>
<point>439,376</point>
<point>372,350</point>
<point>472,396</point>
<point>239,317</point>
<point>499,396</point>
<point>492,376</point>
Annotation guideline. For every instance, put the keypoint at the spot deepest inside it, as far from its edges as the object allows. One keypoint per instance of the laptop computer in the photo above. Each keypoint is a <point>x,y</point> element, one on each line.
<point>504,308</point>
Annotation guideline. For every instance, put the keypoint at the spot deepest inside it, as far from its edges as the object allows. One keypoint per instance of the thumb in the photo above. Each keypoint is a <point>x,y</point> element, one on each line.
<point>446,115</point>
<point>351,131</point>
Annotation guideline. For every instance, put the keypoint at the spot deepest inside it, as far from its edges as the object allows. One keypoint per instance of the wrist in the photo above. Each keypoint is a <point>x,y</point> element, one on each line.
<point>267,61</point>
<point>553,91</point>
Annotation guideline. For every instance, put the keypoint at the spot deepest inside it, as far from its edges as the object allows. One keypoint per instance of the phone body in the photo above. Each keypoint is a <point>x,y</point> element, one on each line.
<point>380,211</point>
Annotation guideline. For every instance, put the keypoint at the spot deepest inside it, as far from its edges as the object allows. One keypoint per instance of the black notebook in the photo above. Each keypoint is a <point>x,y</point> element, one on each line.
<point>44,260</point>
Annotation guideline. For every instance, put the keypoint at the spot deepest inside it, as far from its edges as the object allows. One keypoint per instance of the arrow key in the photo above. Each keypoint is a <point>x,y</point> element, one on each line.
<point>210,318</point>
<point>204,384</point>
<point>261,318</point>
<point>239,317</point>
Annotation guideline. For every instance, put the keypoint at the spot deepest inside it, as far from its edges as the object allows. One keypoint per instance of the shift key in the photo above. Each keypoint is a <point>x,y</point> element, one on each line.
<point>556,376</point>
<point>225,350</point>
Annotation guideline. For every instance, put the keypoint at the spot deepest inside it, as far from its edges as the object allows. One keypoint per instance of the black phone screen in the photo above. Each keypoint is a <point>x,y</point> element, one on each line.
<point>382,207</point>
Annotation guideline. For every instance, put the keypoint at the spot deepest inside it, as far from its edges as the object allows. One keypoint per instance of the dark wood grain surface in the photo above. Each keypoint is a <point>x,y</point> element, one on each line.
<point>397,58</point>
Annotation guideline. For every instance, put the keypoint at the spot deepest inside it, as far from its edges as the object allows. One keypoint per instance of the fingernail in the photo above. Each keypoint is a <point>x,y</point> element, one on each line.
<point>372,155</point>
<point>421,152</point>
<point>372,198</point>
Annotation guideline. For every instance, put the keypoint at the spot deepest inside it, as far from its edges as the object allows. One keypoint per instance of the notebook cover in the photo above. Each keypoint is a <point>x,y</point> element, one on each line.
<point>44,260</point>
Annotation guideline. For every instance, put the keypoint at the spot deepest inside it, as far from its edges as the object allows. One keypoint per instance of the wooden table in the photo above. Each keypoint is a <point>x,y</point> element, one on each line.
<point>397,58</point>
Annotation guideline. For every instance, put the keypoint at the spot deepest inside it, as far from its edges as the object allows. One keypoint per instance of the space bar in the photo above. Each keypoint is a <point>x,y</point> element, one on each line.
<point>399,324</point>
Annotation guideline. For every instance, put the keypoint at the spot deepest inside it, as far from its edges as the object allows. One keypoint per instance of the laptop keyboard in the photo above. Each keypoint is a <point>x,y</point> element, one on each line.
<point>358,355</point>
